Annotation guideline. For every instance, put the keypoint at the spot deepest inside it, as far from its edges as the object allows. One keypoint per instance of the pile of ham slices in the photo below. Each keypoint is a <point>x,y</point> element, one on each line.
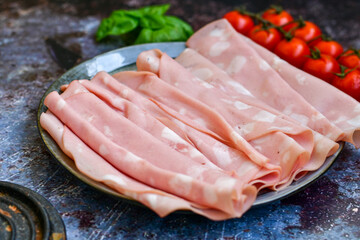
<point>204,132</point>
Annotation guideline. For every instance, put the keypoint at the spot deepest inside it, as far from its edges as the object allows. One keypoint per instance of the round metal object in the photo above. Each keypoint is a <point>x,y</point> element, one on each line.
<point>24,214</point>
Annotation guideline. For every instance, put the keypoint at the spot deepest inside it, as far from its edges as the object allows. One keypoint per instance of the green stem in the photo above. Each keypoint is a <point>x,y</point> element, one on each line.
<point>278,9</point>
<point>343,71</point>
<point>266,24</point>
<point>355,52</point>
<point>322,36</point>
<point>315,53</point>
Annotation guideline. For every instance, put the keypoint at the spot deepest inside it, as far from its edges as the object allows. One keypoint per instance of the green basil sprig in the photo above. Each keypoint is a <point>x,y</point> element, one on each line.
<point>144,25</point>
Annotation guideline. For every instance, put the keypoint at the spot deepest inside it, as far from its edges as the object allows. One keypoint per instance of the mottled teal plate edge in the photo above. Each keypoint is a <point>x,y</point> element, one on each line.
<point>125,59</point>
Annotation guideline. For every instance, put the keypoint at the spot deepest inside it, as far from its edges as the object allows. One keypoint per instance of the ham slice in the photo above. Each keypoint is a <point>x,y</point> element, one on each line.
<point>155,88</point>
<point>153,162</point>
<point>147,122</point>
<point>97,168</point>
<point>210,73</point>
<point>146,83</point>
<point>338,107</point>
<point>230,52</point>
<point>171,72</point>
<point>220,154</point>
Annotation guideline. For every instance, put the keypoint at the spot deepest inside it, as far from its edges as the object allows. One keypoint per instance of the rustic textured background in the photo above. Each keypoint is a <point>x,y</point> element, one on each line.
<point>329,209</point>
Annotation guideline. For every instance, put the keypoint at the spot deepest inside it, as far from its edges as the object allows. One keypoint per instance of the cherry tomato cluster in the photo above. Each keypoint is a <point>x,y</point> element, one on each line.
<point>302,44</point>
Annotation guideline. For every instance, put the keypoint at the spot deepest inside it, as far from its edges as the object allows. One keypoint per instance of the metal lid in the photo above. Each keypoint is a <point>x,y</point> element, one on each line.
<point>24,214</point>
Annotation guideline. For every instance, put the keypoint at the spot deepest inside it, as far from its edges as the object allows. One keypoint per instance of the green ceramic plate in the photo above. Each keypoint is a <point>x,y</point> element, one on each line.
<point>124,59</point>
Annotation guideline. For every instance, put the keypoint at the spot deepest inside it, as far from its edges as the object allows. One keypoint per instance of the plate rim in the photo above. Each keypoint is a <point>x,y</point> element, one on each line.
<point>295,187</point>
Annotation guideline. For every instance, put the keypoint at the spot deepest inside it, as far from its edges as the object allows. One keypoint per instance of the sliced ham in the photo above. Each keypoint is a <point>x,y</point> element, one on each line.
<point>338,107</point>
<point>106,81</point>
<point>210,73</point>
<point>222,45</point>
<point>204,69</point>
<point>97,168</point>
<point>200,113</point>
<point>152,162</point>
<point>220,154</point>
<point>144,120</point>
<point>283,147</point>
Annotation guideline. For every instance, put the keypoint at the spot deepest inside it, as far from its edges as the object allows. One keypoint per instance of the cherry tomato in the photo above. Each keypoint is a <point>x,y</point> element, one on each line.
<point>322,66</point>
<point>277,16</point>
<point>305,30</point>
<point>241,22</point>
<point>314,41</point>
<point>331,48</point>
<point>267,38</point>
<point>350,59</point>
<point>293,51</point>
<point>350,83</point>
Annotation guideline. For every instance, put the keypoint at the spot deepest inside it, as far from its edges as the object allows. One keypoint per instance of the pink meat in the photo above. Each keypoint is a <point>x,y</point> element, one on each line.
<point>210,73</point>
<point>204,116</point>
<point>220,154</point>
<point>286,144</point>
<point>221,44</point>
<point>97,168</point>
<point>300,155</point>
<point>338,107</point>
<point>231,159</point>
<point>106,81</point>
<point>144,120</point>
<point>153,162</point>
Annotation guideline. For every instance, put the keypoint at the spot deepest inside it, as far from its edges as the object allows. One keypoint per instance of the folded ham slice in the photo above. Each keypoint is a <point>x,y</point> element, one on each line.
<point>201,114</point>
<point>338,107</point>
<point>211,74</point>
<point>115,138</point>
<point>155,88</point>
<point>225,157</point>
<point>220,154</point>
<point>204,69</point>
<point>97,168</point>
<point>143,119</point>
<point>230,52</point>
<point>171,72</point>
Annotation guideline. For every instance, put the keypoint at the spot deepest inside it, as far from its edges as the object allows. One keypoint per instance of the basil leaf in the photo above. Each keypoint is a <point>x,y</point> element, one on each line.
<point>153,22</point>
<point>104,28</point>
<point>123,25</point>
<point>165,34</point>
<point>130,13</point>
<point>145,36</point>
<point>116,26</point>
<point>168,34</point>
<point>155,10</point>
<point>178,23</point>
<point>148,24</point>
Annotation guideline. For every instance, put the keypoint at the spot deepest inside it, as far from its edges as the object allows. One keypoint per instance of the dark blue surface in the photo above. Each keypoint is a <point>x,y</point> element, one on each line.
<point>328,209</point>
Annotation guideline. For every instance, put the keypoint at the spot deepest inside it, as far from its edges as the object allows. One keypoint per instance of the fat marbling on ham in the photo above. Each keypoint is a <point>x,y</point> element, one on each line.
<point>269,137</point>
<point>340,108</point>
<point>115,138</point>
<point>229,159</point>
<point>208,72</point>
<point>97,168</point>
<point>150,85</point>
<point>230,52</point>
